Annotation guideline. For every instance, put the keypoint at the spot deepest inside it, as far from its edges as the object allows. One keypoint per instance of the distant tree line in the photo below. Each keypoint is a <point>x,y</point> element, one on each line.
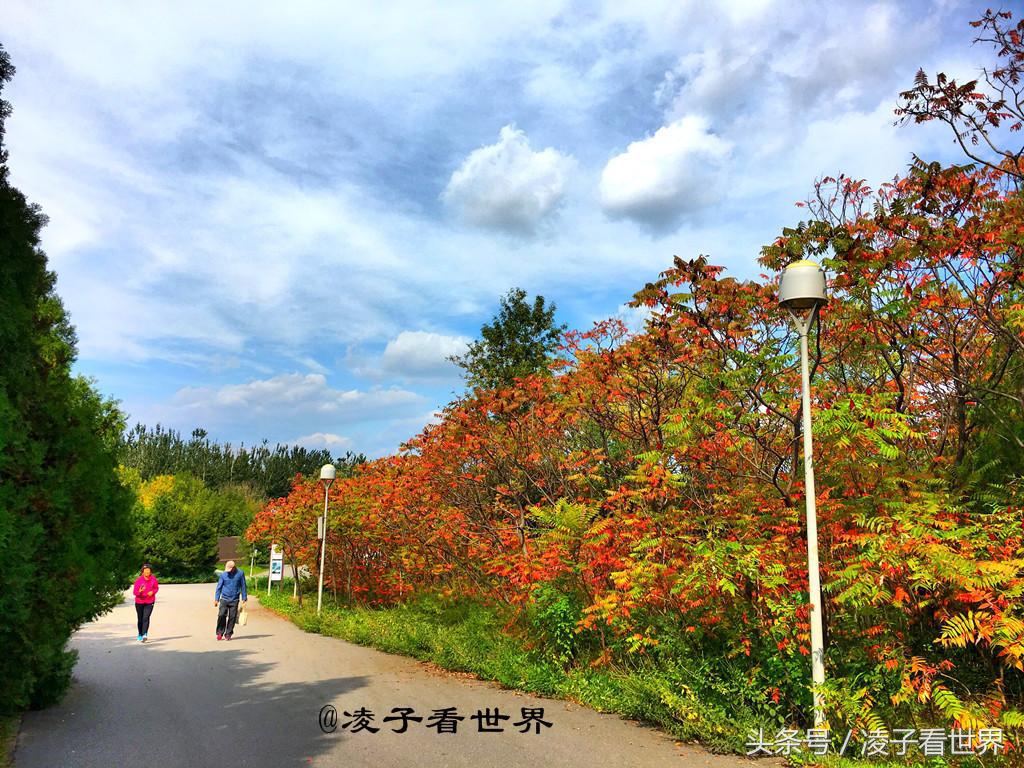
<point>268,471</point>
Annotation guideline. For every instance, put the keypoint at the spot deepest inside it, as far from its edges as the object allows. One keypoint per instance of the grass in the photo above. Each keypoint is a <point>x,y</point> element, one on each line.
<point>835,761</point>
<point>465,637</point>
<point>678,697</point>
<point>8,733</point>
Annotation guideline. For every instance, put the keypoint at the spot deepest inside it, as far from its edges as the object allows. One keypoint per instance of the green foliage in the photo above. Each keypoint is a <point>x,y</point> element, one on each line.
<point>998,459</point>
<point>518,342</point>
<point>234,506</point>
<point>555,615</point>
<point>178,520</point>
<point>185,540</point>
<point>65,525</point>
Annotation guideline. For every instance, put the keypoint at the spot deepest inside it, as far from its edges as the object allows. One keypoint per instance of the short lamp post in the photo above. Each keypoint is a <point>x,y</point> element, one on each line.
<point>327,475</point>
<point>802,293</point>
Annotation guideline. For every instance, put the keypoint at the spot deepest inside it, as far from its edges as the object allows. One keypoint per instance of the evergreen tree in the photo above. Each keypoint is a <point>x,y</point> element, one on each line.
<point>517,342</point>
<point>65,523</point>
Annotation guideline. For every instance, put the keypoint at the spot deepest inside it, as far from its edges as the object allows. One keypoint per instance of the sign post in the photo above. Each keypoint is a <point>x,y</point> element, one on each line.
<point>276,566</point>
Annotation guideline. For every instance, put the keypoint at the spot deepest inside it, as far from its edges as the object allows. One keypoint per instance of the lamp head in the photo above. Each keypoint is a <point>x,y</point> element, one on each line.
<point>802,286</point>
<point>327,472</point>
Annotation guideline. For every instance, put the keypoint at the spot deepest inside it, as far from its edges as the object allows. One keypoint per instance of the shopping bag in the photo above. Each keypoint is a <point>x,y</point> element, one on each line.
<point>243,616</point>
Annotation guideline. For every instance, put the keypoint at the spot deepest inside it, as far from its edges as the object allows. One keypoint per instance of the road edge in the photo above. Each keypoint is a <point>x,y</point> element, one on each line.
<point>441,670</point>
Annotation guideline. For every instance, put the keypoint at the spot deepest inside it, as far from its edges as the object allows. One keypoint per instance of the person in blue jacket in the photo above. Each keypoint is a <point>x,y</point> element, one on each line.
<point>230,587</point>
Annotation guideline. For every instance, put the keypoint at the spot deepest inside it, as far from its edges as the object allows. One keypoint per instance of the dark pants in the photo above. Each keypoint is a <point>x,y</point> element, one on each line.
<point>226,617</point>
<point>144,611</point>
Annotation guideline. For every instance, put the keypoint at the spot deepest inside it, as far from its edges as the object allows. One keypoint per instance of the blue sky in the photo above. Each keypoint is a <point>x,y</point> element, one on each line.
<point>277,220</point>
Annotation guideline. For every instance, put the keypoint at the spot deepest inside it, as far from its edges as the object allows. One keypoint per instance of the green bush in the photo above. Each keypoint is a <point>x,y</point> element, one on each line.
<point>183,541</point>
<point>554,616</point>
<point>178,519</point>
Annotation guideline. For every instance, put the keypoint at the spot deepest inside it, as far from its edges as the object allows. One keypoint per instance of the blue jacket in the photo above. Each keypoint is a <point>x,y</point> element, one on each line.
<point>229,585</point>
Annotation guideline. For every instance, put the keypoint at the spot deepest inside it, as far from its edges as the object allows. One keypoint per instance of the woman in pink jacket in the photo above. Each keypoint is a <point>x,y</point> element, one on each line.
<point>145,591</point>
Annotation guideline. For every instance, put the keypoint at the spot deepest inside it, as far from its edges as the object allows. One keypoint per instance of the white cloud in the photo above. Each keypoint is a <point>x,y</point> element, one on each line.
<point>116,322</point>
<point>419,354</point>
<point>834,144</point>
<point>371,421</point>
<point>560,87</point>
<point>658,180</point>
<point>634,318</point>
<point>507,186</point>
<point>313,365</point>
<point>332,442</point>
<point>715,80</point>
<point>283,207</point>
<point>294,396</point>
<point>761,79</point>
<point>412,356</point>
<point>174,222</point>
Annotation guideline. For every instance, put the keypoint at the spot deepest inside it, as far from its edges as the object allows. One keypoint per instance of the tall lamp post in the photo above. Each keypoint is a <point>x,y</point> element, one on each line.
<point>802,293</point>
<point>327,475</point>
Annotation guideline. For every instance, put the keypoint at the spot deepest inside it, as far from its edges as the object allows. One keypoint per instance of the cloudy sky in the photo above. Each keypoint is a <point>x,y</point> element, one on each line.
<point>276,220</point>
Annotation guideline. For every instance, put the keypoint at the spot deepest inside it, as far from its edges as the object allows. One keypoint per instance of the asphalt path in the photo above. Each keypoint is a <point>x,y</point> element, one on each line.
<point>185,699</point>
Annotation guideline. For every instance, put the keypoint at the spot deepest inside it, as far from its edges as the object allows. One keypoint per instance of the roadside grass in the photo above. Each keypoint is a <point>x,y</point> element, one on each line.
<point>8,734</point>
<point>468,637</point>
<point>835,761</point>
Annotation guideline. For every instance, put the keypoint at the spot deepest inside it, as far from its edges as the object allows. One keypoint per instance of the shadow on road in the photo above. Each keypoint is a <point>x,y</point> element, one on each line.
<point>159,640</point>
<point>135,704</point>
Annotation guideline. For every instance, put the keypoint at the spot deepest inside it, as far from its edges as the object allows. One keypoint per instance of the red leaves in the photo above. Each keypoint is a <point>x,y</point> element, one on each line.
<point>658,479</point>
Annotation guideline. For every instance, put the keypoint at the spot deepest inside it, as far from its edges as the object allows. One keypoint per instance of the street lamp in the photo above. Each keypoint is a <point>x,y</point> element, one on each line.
<point>802,292</point>
<point>327,475</point>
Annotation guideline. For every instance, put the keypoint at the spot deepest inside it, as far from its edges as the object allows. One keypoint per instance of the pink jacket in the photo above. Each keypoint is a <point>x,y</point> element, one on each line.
<point>145,590</point>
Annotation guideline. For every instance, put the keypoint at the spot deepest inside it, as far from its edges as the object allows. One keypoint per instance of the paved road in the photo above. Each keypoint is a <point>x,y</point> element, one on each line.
<point>184,699</point>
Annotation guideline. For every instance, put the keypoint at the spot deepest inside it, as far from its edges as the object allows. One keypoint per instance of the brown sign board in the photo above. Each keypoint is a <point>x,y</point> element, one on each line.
<point>227,548</point>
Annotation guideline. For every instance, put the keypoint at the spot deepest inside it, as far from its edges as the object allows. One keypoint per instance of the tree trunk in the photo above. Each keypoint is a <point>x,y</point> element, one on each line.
<point>296,592</point>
